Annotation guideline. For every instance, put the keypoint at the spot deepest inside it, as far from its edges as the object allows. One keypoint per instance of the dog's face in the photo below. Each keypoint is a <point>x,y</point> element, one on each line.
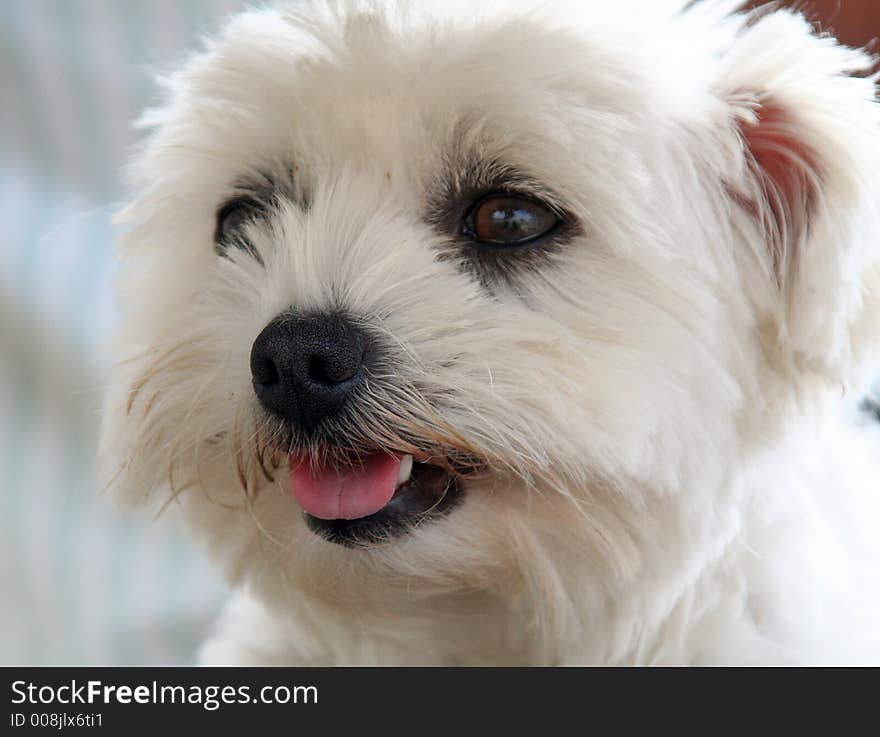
<point>447,305</point>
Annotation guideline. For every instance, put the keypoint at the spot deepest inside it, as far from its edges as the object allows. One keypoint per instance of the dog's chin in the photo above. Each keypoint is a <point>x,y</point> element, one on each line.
<point>430,492</point>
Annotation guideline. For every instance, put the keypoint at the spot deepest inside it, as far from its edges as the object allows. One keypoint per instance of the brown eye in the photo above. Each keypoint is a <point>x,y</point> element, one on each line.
<point>509,220</point>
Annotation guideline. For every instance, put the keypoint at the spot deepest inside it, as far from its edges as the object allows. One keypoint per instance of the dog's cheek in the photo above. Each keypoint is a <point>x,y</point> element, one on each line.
<point>116,450</point>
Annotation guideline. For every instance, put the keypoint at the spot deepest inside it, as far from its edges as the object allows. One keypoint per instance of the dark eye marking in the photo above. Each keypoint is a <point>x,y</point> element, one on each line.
<point>232,217</point>
<point>255,197</point>
<point>507,220</point>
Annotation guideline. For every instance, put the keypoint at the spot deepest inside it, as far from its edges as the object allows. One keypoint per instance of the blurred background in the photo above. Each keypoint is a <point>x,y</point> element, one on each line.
<point>80,582</point>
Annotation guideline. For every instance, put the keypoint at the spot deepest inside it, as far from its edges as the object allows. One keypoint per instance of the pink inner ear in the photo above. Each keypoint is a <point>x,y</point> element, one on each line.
<point>788,178</point>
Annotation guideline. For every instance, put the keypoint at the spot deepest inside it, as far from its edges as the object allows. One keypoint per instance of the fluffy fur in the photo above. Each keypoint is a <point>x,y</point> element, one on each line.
<point>671,471</point>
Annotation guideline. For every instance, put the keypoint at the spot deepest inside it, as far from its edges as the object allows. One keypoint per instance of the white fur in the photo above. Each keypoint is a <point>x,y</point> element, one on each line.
<point>676,476</point>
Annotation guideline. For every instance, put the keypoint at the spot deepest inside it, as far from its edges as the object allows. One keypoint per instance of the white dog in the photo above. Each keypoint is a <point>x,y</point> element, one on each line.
<point>513,334</point>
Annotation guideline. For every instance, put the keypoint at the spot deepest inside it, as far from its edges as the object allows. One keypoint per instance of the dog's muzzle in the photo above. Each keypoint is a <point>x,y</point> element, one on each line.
<point>305,370</point>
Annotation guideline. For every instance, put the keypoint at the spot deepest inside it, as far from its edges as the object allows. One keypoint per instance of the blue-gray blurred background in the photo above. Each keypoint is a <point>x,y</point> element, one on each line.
<point>80,582</point>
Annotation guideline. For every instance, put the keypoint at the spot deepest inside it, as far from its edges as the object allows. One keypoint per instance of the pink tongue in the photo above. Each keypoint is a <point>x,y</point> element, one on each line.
<point>345,492</point>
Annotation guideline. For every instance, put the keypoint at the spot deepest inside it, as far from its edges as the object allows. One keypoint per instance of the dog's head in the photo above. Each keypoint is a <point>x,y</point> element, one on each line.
<point>481,294</point>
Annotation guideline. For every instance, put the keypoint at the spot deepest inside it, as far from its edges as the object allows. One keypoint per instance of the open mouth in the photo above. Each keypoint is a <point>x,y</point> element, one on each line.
<point>371,498</point>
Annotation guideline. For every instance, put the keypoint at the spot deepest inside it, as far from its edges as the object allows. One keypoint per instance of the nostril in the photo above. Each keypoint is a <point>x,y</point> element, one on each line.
<point>265,372</point>
<point>331,370</point>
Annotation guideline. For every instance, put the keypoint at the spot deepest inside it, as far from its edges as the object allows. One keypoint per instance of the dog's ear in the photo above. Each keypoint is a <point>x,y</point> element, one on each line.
<point>808,132</point>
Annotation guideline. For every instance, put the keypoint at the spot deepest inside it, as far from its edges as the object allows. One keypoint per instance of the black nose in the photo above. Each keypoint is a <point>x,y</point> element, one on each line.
<point>304,367</point>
